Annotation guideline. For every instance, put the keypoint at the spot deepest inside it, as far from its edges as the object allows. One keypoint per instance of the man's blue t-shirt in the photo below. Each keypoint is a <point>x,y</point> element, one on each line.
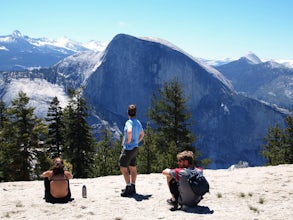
<point>136,130</point>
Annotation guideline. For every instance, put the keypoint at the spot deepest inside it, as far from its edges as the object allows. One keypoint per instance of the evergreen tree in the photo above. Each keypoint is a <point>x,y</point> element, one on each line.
<point>3,118</point>
<point>274,150</point>
<point>55,123</point>
<point>147,157</point>
<point>107,156</point>
<point>116,151</point>
<point>173,121</point>
<point>43,160</point>
<point>279,144</point>
<point>21,136</point>
<point>79,143</point>
<point>289,140</point>
<point>2,114</point>
<point>170,157</point>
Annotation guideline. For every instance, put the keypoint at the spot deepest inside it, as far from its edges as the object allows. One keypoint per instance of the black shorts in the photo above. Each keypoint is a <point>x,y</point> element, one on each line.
<point>128,157</point>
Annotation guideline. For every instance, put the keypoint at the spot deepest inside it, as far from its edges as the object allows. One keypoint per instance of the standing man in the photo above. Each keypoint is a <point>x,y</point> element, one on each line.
<point>133,135</point>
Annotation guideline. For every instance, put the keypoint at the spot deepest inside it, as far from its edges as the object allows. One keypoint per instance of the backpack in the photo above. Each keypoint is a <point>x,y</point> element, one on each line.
<point>198,183</point>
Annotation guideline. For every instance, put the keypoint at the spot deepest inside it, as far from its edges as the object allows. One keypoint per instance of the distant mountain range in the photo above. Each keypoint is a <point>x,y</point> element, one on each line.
<point>230,126</point>
<point>19,52</point>
<point>267,81</point>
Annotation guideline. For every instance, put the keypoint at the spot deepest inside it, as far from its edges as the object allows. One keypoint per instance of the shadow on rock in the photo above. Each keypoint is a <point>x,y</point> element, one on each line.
<point>197,210</point>
<point>140,197</point>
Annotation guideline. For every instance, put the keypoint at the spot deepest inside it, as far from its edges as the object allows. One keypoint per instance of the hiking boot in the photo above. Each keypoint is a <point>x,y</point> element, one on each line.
<point>172,202</point>
<point>132,189</point>
<point>127,192</point>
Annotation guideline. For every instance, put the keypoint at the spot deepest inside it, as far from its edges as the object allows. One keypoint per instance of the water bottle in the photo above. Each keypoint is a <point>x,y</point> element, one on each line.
<point>83,191</point>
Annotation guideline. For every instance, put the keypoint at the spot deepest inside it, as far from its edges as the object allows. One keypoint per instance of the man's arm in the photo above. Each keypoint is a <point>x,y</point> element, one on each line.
<point>141,135</point>
<point>129,135</point>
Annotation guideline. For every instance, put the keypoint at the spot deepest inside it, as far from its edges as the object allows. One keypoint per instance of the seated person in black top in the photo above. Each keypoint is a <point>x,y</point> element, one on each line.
<point>56,181</point>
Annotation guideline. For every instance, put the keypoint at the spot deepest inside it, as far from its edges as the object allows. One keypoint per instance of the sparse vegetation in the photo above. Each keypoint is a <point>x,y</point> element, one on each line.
<point>19,204</point>
<point>253,209</point>
<point>219,195</point>
<point>261,200</point>
<point>242,195</point>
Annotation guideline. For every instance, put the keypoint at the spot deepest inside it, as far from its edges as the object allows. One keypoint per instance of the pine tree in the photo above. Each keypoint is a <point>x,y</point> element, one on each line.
<point>55,123</point>
<point>2,114</point>
<point>79,143</point>
<point>170,157</point>
<point>116,151</point>
<point>107,156</point>
<point>289,140</point>
<point>3,118</point>
<point>169,112</point>
<point>274,147</point>
<point>147,157</point>
<point>21,135</point>
<point>279,144</point>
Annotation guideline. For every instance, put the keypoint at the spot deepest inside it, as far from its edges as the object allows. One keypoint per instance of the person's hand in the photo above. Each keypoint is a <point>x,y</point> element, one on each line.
<point>166,171</point>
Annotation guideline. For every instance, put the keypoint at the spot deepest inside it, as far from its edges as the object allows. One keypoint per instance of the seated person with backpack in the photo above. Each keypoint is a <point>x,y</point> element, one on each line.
<point>178,181</point>
<point>56,181</point>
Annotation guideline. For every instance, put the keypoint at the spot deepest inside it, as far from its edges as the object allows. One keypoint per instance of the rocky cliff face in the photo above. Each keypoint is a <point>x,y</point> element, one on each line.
<point>229,126</point>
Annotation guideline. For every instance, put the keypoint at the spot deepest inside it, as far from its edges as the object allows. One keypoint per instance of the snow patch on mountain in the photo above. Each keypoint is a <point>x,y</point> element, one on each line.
<point>40,92</point>
<point>96,45</point>
<point>3,48</point>
<point>6,39</point>
<point>287,63</point>
<point>11,38</point>
<point>69,44</point>
<point>83,64</point>
<point>253,58</point>
<point>216,63</point>
<point>17,34</point>
<point>63,42</point>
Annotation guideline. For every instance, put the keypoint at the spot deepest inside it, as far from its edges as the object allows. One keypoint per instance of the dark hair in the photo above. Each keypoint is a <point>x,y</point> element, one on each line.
<point>58,166</point>
<point>131,110</point>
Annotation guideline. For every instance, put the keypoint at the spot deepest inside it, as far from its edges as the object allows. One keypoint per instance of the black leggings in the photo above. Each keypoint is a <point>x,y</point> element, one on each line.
<point>50,198</point>
<point>173,186</point>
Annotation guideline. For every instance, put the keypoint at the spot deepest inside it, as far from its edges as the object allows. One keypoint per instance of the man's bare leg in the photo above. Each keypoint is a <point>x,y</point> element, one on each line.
<point>133,174</point>
<point>125,174</point>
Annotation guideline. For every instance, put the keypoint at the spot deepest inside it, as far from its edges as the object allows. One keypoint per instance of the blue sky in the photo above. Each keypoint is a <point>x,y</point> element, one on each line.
<point>211,29</point>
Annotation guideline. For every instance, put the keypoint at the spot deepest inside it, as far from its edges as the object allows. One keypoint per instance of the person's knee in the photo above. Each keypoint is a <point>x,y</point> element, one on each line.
<point>123,170</point>
<point>132,169</point>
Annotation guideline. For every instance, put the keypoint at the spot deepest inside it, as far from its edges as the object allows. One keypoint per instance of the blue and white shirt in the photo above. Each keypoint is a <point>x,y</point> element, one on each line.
<point>136,127</point>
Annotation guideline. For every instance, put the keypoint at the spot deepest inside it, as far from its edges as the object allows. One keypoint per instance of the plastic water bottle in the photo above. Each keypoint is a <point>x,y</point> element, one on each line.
<point>83,191</point>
